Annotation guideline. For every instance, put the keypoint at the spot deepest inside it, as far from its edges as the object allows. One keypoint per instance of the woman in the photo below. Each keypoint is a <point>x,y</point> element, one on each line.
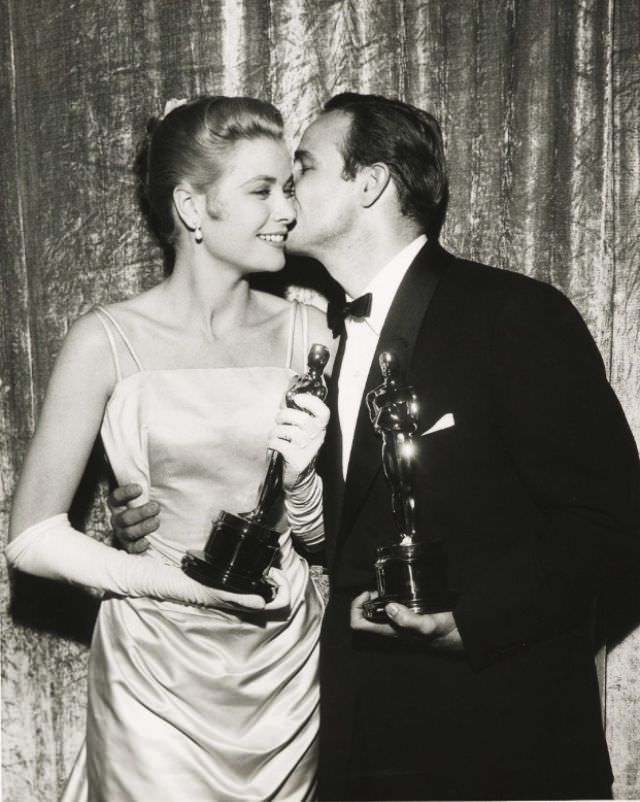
<point>193,693</point>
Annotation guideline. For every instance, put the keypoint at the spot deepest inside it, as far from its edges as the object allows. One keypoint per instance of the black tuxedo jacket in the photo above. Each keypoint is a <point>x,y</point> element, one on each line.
<point>535,493</point>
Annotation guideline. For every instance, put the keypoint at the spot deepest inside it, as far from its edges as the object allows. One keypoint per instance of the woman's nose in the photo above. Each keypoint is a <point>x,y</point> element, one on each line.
<point>285,211</point>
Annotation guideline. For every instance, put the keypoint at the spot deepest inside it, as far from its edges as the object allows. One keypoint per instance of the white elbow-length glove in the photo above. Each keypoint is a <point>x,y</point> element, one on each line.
<point>55,550</point>
<point>303,504</point>
<point>298,435</point>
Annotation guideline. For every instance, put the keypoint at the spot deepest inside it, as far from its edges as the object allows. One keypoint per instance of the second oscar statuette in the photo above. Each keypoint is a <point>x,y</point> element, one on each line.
<point>411,568</point>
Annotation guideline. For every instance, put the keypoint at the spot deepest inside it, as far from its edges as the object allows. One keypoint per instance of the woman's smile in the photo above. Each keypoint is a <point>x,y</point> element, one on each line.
<point>276,239</point>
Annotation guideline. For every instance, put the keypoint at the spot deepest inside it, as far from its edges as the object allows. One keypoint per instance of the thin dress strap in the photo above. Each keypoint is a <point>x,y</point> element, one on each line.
<point>304,316</point>
<point>292,330</point>
<point>112,342</point>
<point>102,314</point>
<point>305,332</point>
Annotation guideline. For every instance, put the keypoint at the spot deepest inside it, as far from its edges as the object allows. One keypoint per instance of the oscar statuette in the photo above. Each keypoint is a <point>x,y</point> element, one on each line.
<point>241,548</point>
<point>412,568</point>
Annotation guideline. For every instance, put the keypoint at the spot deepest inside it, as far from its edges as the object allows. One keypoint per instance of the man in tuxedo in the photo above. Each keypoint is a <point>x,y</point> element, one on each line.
<point>533,490</point>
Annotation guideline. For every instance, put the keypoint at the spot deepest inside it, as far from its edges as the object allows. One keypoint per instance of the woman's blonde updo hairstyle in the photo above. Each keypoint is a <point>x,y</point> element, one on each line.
<point>190,144</point>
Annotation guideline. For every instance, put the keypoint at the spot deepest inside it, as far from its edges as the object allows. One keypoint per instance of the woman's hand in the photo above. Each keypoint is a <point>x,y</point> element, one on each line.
<point>189,591</point>
<point>298,436</point>
<point>196,593</point>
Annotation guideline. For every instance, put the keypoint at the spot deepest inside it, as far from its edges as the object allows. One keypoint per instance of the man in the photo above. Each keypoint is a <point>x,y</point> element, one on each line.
<point>533,490</point>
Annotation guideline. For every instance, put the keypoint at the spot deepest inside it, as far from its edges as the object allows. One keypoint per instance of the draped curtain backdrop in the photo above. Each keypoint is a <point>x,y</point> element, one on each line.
<point>539,106</point>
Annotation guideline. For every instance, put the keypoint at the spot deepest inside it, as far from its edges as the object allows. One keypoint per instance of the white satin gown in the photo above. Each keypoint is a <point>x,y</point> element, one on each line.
<point>187,703</point>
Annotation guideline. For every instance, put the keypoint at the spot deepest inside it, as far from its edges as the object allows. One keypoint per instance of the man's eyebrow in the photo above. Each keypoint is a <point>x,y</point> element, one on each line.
<point>302,154</point>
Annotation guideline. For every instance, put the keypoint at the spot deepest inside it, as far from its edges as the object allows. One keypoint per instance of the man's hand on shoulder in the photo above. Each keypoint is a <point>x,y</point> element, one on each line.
<point>131,524</point>
<point>439,629</point>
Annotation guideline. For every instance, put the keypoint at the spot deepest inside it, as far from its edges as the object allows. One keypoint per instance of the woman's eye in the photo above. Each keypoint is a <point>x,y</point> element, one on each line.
<point>262,193</point>
<point>289,190</point>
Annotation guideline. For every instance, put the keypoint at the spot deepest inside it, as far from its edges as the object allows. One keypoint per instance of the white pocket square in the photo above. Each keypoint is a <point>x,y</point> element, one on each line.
<point>445,422</point>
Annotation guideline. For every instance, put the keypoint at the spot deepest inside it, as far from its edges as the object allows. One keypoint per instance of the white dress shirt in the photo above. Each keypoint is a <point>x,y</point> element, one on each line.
<point>362,341</point>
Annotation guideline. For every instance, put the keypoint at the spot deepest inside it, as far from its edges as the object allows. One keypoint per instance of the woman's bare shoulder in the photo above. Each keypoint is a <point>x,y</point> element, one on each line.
<point>145,304</point>
<point>318,319</point>
<point>86,336</point>
<point>85,351</point>
<point>317,330</point>
<point>269,305</point>
<point>318,327</point>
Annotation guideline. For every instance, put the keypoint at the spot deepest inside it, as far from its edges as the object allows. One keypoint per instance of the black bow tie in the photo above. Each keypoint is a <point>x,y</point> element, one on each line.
<point>338,312</point>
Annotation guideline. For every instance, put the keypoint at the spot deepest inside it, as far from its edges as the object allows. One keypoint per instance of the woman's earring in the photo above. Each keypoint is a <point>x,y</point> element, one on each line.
<point>197,234</point>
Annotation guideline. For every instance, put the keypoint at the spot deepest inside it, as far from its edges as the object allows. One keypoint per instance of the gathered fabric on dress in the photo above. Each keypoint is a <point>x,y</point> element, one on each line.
<point>187,702</point>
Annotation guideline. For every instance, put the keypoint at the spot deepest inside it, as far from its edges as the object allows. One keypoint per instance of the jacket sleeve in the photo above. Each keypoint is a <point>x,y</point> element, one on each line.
<point>564,432</point>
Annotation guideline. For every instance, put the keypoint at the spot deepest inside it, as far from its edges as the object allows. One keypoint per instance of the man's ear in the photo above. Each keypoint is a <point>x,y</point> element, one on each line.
<point>376,179</point>
<point>186,206</point>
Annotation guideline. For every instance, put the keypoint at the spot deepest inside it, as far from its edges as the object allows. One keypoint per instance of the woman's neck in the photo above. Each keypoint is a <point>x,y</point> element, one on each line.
<point>208,296</point>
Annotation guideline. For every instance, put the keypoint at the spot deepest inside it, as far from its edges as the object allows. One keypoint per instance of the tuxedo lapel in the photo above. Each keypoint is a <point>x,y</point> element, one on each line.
<point>399,335</point>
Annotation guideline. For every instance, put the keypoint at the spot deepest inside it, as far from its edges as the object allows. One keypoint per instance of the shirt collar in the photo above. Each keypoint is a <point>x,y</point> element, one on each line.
<point>385,283</point>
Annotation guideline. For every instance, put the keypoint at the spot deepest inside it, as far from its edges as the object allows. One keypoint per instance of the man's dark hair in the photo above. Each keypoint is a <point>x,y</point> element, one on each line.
<point>409,141</point>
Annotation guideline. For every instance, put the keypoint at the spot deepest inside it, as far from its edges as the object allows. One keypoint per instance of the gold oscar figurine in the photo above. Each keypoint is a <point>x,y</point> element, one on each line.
<point>412,568</point>
<point>241,548</point>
